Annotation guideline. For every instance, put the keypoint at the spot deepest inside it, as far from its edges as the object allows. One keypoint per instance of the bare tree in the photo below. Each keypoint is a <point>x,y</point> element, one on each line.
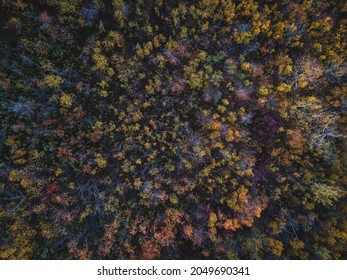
<point>320,124</point>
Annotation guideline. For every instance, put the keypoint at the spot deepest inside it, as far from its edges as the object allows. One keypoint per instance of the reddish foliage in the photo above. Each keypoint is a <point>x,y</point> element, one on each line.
<point>6,84</point>
<point>44,17</point>
<point>51,189</point>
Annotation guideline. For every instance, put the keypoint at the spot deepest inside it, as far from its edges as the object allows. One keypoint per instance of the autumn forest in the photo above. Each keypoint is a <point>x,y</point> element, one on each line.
<point>164,129</point>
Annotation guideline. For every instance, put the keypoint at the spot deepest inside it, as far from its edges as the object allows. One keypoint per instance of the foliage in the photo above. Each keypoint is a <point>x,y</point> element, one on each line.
<point>173,129</point>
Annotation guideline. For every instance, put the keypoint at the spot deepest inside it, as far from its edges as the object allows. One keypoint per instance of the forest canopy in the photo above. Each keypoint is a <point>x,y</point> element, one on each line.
<point>162,129</point>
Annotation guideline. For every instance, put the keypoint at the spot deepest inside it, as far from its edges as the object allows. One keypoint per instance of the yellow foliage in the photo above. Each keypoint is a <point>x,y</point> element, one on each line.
<point>276,247</point>
<point>318,47</point>
<point>279,30</point>
<point>137,182</point>
<point>15,175</point>
<point>283,87</point>
<point>238,199</point>
<point>100,161</point>
<point>296,244</point>
<point>100,62</point>
<point>212,220</point>
<point>52,81</point>
<point>66,100</point>
<point>98,125</point>
<point>26,182</point>
<point>245,66</point>
<point>263,90</point>
<point>58,172</point>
